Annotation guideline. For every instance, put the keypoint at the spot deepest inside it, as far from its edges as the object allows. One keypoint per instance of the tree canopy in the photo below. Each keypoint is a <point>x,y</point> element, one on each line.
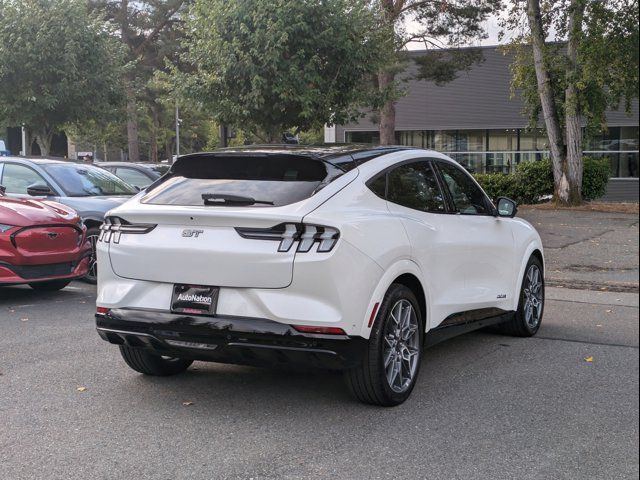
<point>591,65</point>
<point>272,65</point>
<point>62,71</point>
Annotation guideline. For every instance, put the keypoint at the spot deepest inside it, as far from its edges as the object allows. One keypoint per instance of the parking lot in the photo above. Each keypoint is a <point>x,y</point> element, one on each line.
<point>561,405</point>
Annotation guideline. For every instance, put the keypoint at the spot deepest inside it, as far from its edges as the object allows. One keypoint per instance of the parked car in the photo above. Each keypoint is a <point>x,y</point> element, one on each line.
<point>3,150</point>
<point>89,190</point>
<point>139,175</point>
<point>343,259</point>
<point>42,244</point>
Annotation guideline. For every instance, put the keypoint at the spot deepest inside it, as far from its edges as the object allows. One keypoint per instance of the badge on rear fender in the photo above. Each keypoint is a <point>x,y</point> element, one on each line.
<point>194,299</point>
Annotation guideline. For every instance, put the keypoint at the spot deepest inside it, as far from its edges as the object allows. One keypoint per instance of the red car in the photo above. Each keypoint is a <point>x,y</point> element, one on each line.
<point>42,244</point>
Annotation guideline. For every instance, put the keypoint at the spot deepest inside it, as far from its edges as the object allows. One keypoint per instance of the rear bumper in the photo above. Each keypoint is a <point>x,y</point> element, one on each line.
<point>18,274</point>
<point>226,339</point>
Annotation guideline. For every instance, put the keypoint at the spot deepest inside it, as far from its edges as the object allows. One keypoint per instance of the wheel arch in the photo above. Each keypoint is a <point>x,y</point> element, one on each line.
<point>407,273</point>
<point>412,282</point>
<point>534,249</point>
<point>92,222</point>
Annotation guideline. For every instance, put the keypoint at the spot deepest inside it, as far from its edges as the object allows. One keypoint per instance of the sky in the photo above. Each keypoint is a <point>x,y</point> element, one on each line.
<point>491,26</point>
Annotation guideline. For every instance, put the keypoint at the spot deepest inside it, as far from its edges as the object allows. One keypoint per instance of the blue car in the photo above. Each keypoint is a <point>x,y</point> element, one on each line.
<point>90,190</point>
<point>3,149</point>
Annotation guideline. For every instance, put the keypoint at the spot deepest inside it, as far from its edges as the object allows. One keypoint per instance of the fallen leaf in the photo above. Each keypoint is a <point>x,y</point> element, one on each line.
<point>81,389</point>
<point>187,404</point>
<point>589,359</point>
<point>609,311</point>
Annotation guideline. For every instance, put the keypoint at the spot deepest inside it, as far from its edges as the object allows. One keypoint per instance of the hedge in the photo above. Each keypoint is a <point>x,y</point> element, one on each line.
<point>533,180</point>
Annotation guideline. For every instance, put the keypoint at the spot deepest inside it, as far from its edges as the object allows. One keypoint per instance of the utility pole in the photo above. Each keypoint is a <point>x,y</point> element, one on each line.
<point>23,152</point>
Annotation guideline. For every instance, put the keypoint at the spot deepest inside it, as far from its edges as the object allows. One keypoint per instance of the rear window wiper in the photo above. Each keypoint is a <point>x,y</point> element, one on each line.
<point>225,199</point>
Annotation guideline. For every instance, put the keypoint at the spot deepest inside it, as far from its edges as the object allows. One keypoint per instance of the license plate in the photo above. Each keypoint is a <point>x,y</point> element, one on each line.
<point>194,299</point>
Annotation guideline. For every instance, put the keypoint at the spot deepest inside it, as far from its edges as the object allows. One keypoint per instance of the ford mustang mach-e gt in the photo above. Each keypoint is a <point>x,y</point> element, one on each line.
<point>89,190</point>
<point>343,258</point>
<point>42,244</point>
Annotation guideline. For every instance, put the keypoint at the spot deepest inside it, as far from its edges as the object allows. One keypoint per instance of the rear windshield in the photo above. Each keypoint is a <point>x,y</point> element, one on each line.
<point>260,180</point>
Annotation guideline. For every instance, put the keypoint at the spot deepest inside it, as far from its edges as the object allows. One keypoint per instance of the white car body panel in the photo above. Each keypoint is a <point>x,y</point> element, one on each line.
<point>462,262</point>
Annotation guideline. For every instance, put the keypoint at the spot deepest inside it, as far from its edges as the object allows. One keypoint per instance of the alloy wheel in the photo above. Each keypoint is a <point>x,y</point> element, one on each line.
<point>92,273</point>
<point>533,297</point>
<point>401,346</point>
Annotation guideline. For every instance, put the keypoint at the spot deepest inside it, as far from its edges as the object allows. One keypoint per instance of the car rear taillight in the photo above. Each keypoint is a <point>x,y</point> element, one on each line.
<point>114,227</point>
<point>289,233</point>
<point>319,330</point>
<point>102,310</point>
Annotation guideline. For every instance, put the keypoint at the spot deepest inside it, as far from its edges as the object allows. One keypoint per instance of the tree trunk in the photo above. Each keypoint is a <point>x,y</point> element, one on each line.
<point>132,109</point>
<point>155,126</point>
<point>548,103</point>
<point>43,139</point>
<point>390,10</point>
<point>388,111</point>
<point>132,125</point>
<point>573,110</point>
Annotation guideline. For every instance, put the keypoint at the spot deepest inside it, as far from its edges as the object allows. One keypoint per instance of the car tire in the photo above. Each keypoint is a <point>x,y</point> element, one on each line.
<point>390,366</point>
<point>148,363</point>
<point>92,275</point>
<point>50,286</point>
<point>528,318</point>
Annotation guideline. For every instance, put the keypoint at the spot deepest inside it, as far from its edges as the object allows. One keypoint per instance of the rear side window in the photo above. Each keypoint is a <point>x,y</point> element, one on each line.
<point>241,180</point>
<point>414,185</point>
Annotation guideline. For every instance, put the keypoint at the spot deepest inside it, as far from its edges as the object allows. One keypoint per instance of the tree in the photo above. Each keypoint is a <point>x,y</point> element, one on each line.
<point>267,66</point>
<point>150,31</point>
<point>54,71</point>
<point>440,24</point>
<point>590,66</point>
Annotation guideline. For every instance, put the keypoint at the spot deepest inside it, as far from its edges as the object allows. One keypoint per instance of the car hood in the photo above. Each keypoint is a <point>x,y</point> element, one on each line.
<point>25,212</point>
<point>94,207</point>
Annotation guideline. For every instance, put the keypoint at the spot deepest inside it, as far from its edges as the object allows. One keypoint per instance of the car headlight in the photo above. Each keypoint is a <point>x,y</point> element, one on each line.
<point>4,228</point>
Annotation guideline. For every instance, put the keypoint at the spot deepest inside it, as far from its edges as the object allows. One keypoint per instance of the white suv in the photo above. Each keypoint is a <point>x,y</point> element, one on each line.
<point>342,258</point>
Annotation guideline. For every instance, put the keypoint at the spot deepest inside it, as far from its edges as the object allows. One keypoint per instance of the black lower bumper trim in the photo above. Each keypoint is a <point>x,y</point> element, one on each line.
<point>236,340</point>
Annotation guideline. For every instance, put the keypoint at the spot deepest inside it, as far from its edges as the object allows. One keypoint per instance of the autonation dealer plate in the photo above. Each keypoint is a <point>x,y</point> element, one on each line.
<point>194,299</point>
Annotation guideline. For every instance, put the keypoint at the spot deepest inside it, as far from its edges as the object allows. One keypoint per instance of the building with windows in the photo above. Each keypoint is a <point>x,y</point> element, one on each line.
<point>476,120</point>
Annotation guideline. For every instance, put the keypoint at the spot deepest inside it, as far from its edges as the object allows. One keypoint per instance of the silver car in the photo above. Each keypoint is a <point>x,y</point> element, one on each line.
<point>90,190</point>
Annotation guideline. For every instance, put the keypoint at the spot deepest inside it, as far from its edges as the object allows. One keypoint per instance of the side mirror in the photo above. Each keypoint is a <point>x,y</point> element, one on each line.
<point>506,207</point>
<point>3,189</point>
<point>40,190</point>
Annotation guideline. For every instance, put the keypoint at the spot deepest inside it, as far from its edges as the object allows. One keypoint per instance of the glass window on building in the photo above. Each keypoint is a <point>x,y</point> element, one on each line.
<point>471,141</point>
<point>534,144</point>
<point>503,140</point>
<point>628,162</point>
<point>444,141</point>
<point>617,144</point>
<point>362,137</point>
<point>413,138</point>
<point>502,145</point>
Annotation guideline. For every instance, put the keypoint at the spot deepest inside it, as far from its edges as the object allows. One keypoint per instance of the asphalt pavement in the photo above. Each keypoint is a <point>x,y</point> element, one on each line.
<point>563,405</point>
<point>588,250</point>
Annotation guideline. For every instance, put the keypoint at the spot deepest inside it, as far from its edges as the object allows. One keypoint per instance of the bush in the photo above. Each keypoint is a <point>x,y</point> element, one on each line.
<point>498,185</point>
<point>533,180</point>
<point>595,178</point>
